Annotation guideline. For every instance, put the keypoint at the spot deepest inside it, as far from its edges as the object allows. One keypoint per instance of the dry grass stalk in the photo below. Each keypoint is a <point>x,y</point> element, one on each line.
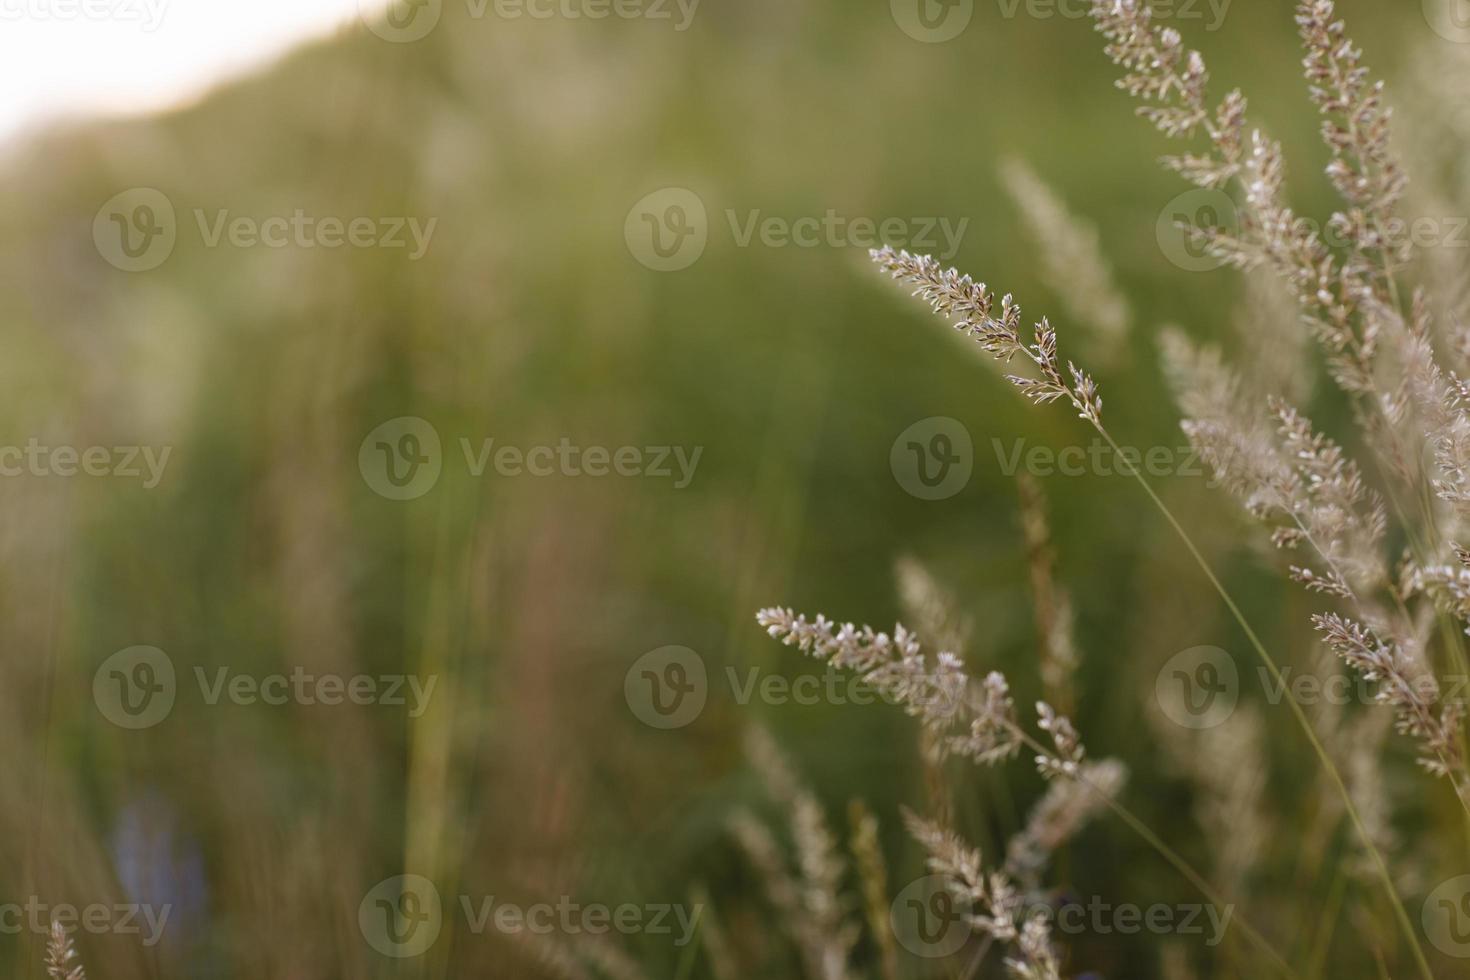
<point>1072,262</point>
<point>812,903</point>
<point>873,876</point>
<point>550,956</point>
<point>580,957</point>
<point>1051,603</point>
<point>1174,963</point>
<point>609,960</point>
<point>60,954</point>
<point>1349,301</point>
<point>971,308</point>
<point>1299,481</point>
<point>1404,685</point>
<point>1058,816</point>
<point>932,608</point>
<point>976,720</point>
<point>712,937</point>
<point>996,907</point>
<point>936,611</point>
<point>1231,808</point>
<point>939,695</point>
<point>1275,355</point>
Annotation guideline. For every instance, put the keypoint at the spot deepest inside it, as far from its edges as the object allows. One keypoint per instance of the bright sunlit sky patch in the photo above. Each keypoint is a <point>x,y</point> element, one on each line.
<point>70,57</point>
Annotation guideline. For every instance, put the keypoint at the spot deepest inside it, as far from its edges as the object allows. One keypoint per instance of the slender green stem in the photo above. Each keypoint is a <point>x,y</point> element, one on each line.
<point>1323,940</point>
<point>691,951</point>
<point>978,958</point>
<point>1296,709</point>
<point>1170,855</point>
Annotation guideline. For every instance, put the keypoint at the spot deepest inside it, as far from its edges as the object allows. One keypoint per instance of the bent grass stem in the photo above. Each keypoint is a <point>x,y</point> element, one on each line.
<point>1333,774</point>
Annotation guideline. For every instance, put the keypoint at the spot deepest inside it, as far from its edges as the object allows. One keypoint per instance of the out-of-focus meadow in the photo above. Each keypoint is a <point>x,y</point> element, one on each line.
<point>531,773</point>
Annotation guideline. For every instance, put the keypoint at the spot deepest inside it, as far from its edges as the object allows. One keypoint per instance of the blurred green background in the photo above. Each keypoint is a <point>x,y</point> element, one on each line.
<point>530,320</point>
